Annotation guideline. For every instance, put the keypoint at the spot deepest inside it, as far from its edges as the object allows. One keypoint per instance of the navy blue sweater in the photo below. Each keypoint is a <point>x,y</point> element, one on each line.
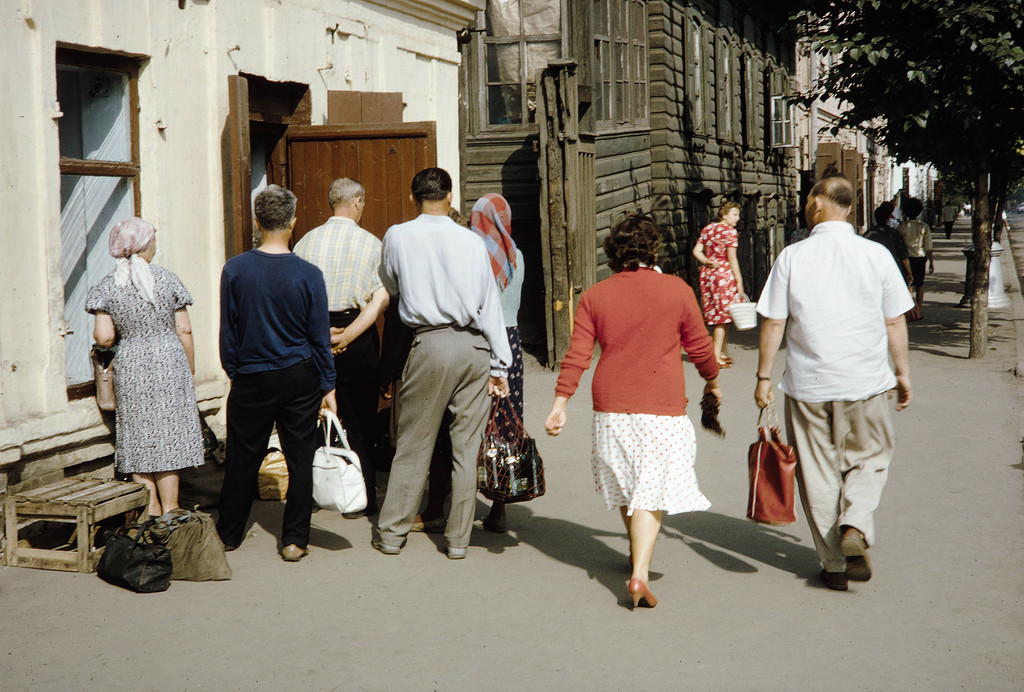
<point>273,314</point>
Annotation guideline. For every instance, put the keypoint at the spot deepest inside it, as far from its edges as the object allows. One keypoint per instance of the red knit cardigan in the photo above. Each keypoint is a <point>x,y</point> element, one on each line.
<point>640,319</point>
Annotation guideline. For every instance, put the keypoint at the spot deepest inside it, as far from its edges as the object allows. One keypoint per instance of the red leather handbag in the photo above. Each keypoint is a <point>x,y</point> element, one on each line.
<point>772,467</point>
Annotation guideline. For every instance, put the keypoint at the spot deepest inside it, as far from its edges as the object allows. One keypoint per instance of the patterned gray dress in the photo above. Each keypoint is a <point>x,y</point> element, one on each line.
<point>157,417</point>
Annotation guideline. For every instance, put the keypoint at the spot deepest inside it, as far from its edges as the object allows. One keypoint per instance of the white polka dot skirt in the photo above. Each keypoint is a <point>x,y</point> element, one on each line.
<point>643,461</point>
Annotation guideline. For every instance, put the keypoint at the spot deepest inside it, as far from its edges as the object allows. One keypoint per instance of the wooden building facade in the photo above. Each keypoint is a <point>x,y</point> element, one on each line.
<point>677,105</point>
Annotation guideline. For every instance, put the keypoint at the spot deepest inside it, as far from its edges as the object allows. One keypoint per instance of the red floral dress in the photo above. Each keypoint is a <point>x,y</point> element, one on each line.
<point>718,289</point>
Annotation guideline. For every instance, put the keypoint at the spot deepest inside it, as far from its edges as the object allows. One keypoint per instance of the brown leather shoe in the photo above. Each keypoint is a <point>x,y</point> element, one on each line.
<point>837,581</point>
<point>293,553</point>
<point>854,547</point>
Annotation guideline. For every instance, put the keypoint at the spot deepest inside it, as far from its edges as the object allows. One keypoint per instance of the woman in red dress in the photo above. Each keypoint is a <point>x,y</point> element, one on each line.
<point>721,283</point>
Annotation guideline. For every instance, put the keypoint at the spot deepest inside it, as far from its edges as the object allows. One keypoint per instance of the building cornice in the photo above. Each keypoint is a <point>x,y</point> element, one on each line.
<point>449,14</point>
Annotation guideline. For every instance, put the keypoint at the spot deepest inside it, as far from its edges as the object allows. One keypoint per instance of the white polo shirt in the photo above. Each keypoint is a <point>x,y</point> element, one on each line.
<point>836,289</point>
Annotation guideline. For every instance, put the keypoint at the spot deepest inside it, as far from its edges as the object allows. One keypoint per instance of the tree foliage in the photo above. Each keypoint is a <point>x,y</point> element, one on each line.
<point>940,81</point>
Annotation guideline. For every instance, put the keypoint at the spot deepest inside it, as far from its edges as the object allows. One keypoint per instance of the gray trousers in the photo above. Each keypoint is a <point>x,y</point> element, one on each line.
<point>447,369</point>
<point>844,449</point>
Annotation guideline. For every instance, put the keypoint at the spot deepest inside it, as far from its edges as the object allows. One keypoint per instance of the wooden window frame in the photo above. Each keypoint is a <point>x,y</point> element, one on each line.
<point>481,44</point>
<point>696,61</point>
<point>780,111</point>
<point>725,105</point>
<point>93,167</point>
<point>131,170</point>
<point>630,78</point>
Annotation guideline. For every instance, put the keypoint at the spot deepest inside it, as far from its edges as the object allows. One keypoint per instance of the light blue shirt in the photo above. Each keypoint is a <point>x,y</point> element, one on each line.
<point>441,273</point>
<point>511,294</point>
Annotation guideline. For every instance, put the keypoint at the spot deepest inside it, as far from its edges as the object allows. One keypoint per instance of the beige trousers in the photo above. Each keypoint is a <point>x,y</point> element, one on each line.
<point>843,449</point>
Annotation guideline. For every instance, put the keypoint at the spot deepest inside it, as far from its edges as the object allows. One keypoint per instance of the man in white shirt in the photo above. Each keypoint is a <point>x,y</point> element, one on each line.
<point>949,215</point>
<point>441,273</point>
<point>844,300</point>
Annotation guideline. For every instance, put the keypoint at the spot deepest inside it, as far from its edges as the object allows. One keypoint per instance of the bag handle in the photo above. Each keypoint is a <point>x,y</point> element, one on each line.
<point>333,422</point>
<point>772,415</point>
<point>501,407</point>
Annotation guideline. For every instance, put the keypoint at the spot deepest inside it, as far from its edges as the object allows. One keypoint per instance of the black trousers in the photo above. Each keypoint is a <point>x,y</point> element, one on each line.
<point>290,398</point>
<point>357,392</point>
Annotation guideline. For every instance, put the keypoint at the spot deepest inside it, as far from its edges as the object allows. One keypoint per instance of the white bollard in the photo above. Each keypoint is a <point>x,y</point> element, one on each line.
<point>997,297</point>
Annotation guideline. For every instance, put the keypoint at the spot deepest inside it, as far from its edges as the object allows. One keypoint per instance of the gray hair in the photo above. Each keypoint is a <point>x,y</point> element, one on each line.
<point>343,191</point>
<point>274,208</point>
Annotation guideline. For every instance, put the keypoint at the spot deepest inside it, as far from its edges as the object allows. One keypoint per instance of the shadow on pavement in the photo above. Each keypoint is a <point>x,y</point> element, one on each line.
<point>575,545</point>
<point>708,532</point>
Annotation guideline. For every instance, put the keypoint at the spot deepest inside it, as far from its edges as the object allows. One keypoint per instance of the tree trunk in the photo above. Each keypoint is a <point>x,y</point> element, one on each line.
<point>981,226</point>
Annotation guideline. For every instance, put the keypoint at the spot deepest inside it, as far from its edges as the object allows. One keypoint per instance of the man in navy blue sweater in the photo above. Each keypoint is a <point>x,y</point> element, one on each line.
<point>275,345</point>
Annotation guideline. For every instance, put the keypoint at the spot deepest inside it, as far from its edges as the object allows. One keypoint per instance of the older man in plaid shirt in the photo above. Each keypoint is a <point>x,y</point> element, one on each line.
<point>349,256</point>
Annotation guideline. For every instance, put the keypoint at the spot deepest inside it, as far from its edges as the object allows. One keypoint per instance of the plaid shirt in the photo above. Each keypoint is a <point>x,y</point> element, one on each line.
<point>348,256</point>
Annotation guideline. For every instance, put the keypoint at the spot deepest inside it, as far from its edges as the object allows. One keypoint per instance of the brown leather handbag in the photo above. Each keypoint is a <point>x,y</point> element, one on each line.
<point>772,467</point>
<point>103,374</point>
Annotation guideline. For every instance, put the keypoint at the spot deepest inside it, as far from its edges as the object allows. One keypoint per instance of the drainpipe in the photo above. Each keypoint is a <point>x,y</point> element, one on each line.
<point>813,129</point>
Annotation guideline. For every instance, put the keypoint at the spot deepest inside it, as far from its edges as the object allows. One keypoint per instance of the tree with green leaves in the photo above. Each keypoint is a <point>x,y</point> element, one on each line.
<point>939,81</point>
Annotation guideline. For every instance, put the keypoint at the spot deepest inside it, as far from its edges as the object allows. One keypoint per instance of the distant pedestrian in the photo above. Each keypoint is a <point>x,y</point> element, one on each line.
<point>844,301</point>
<point>644,446</point>
<point>275,345</point>
<point>721,283</point>
<point>441,274</point>
<point>892,239</point>
<point>918,237</point>
<point>349,257</point>
<point>949,215</point>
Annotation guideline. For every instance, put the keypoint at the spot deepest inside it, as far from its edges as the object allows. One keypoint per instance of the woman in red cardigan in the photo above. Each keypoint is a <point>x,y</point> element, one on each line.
<point>644,445</point>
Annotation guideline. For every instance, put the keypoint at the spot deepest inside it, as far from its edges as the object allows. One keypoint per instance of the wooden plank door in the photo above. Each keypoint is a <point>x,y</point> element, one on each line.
<point>382,157</point>
<point>568,203</point>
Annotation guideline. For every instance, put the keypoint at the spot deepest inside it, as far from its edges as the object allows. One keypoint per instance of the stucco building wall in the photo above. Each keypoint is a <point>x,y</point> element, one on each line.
<point>185,55</point>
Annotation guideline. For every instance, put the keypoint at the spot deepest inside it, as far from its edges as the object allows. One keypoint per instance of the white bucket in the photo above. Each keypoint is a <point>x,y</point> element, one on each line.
<point>744,315</point>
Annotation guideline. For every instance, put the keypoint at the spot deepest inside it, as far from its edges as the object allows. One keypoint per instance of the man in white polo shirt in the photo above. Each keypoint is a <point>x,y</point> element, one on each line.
<point>844,300</point>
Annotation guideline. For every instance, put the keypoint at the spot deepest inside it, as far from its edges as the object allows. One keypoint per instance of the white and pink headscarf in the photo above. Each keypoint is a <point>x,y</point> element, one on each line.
<point>128,238</point>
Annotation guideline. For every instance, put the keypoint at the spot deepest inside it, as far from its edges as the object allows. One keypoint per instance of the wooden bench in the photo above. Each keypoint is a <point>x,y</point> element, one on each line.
<point>79,501</point>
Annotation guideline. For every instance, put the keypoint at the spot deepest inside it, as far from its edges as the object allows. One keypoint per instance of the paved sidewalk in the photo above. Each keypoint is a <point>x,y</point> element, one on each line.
<point>543,607</point>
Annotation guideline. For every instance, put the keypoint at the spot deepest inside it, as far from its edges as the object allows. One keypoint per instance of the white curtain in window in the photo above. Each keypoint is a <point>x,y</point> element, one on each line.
<point>90,206</point>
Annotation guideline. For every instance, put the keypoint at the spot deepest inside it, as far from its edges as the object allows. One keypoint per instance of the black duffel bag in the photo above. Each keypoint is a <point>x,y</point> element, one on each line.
<point>134,562</point>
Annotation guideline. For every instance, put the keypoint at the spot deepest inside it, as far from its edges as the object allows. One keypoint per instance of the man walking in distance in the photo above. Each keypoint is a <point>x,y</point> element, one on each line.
<point>844,299</point>
<point>349,257</point>
<point>441,273</point>
<point>949,215</point>
<point>275,345</point>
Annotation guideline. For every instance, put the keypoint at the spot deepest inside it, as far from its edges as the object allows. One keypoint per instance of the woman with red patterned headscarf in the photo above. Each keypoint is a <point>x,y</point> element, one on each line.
<point>491,218</point>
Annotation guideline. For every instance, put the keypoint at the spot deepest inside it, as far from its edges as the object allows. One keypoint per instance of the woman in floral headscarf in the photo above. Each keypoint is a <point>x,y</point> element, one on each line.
<point>491,218</point>
<point>142,309</point>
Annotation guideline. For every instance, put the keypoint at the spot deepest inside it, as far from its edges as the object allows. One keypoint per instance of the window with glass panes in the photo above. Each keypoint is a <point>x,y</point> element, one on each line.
<point>521,37</point>
<point>620,51</point>
<point>99,183</point>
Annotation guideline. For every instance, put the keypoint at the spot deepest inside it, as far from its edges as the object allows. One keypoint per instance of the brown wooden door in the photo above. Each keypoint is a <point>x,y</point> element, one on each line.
<point>383,157</point>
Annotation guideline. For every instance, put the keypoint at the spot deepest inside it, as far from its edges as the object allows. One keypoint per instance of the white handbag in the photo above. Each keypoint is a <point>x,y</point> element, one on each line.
<point>337,474</point>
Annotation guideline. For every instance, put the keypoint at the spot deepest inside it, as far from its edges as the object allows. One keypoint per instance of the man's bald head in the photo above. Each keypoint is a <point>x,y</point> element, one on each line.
<point>836,189</point>
<point>831,199</point>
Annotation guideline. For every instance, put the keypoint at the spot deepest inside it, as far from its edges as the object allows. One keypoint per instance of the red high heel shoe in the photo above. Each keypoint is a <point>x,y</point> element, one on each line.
<point>640,594</point>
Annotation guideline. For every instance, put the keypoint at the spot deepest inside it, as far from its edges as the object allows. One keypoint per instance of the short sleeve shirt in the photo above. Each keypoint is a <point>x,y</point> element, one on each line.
<point>836,289</point>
